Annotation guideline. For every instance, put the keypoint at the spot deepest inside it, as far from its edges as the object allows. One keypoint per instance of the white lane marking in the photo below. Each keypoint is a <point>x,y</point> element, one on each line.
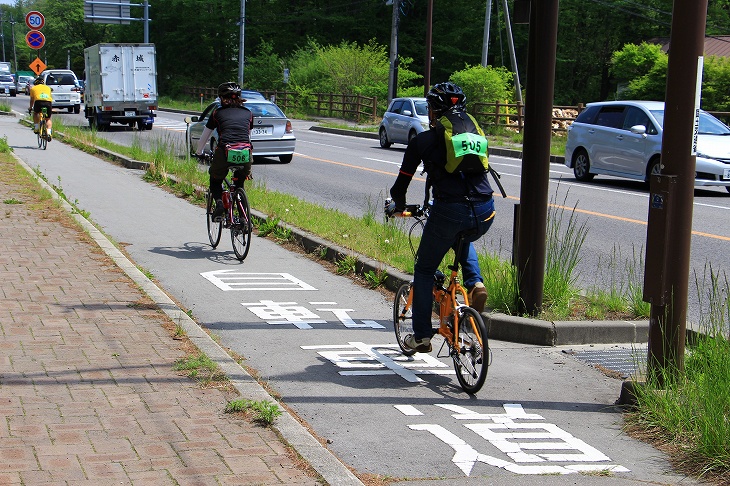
<point>321,144</point>
<point>233,280</point>
<point>408,410</point>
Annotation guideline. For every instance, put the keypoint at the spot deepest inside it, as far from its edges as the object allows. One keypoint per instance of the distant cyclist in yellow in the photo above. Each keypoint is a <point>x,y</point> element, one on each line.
<point>40,96</point>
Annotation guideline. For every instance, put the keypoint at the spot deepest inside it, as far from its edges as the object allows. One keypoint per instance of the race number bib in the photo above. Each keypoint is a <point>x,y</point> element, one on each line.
<point>238,156</point>
<point>469,143</point>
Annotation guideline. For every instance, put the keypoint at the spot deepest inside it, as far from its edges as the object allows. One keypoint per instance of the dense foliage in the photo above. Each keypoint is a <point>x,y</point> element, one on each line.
<point>198,41</point>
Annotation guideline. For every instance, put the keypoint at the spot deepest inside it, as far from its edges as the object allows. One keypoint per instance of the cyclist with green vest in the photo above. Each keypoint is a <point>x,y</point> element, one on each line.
<point>462,201</point>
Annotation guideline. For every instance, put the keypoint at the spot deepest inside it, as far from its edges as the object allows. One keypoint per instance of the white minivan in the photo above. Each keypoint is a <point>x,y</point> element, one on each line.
<point>624,139</point>
<point>65,89</point>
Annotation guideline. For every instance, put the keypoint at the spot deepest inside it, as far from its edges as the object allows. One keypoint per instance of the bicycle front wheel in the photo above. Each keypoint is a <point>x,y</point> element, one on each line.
<point>403,317</point>
<point>241,226</point>
<point>215,228</point>
<point>472,360</point>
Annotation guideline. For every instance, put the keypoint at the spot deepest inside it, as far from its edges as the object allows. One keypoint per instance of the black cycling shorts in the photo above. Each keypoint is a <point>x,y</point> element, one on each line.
<point>39,104</point>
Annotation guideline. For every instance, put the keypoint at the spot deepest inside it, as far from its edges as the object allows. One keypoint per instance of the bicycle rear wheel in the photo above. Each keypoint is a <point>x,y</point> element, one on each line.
<point>44,138</point>
<point>241,226</point>
<point>403,318</point>
<point>215,228</point>
<point>472,360</point>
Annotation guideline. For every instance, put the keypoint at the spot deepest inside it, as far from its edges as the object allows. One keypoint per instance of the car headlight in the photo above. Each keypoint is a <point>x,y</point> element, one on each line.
<point>424,125</point>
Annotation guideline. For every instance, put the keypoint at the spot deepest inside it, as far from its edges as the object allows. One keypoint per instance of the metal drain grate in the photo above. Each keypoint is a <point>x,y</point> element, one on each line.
<point>625,361</point>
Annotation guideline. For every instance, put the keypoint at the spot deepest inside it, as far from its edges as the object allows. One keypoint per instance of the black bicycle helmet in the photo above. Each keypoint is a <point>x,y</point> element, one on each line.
<point>229,90</point>
<point>38,80</point>
<point>445,96</point>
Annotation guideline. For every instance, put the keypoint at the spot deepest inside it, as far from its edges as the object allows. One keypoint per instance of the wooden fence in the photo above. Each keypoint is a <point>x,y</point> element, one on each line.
<point>349,107</point>
<point>364,109</point>
<point>512,115</point>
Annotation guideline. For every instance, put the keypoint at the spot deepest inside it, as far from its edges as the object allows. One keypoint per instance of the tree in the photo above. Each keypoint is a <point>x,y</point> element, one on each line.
<point>485,84</point>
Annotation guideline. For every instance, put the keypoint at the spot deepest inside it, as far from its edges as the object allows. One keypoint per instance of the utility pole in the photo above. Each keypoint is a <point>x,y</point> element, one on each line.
<point>146,18</point>
<point>240,42</point>
<point>393,73</point>
<point>12,29</point>
<point>429,38</point>
<point>512,56</point>
<point>2,31</point>
<point>485,42</point>
<point>666,274</point>
<point>532,215</point>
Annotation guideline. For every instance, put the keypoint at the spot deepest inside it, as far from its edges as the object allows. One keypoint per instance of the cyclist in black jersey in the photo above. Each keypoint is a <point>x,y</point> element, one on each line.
<point>233,122</point>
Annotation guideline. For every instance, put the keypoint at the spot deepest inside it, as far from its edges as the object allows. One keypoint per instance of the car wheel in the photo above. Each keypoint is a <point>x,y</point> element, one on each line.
<point>285,159</point>
<point>411,135</point>
<point>384,139</point>
<point>77,109</point>
<point>582,166</point>
<point>654,168</point>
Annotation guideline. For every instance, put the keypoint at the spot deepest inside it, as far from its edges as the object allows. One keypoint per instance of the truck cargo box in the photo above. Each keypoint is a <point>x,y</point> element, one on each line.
<point>121,84</point>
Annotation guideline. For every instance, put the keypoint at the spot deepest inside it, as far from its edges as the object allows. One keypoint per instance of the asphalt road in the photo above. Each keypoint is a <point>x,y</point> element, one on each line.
<point>324,344</point>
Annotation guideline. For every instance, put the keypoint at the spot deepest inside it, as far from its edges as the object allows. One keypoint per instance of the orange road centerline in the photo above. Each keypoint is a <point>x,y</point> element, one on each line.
<point>582,211</point>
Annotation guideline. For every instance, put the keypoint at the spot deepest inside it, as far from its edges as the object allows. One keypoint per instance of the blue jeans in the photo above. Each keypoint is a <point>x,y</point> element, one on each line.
<point>444,222</point>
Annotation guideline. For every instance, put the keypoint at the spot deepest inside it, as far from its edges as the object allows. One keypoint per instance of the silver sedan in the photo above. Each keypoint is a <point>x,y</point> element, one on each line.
<point>271,135</point>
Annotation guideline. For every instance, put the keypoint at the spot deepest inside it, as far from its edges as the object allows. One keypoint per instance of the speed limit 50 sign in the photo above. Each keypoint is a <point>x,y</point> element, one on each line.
<point>35,20</point>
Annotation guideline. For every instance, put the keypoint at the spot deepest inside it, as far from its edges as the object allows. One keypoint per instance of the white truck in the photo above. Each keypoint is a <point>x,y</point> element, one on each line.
<point>121,85</point>
<point>5,67</point>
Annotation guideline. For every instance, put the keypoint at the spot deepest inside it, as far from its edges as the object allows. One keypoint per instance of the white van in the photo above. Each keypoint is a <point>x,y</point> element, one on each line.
<point>65,88</point>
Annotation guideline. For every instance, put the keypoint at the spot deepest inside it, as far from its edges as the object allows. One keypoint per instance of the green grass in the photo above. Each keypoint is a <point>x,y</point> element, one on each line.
<point>690,408</point>
<point>265,412</point>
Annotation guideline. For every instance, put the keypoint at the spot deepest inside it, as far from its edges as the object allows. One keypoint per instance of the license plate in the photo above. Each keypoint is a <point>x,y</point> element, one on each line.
<point>61,98</point>
<point>130,113</point>
<point>726,173</point>
<point>262,131</point>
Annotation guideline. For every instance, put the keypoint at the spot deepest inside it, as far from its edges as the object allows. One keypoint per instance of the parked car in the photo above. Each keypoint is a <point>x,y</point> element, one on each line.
<point>65,88</point>
<point>21,83</point>
<point>404,119</point>
<point>624,139</point>
<point>82,88</point>
<point>271,135</point>
<point>7,85</point>
<point>252,95</point>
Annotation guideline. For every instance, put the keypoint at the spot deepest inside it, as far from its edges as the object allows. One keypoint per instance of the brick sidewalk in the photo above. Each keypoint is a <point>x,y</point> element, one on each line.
<point>88,394</point>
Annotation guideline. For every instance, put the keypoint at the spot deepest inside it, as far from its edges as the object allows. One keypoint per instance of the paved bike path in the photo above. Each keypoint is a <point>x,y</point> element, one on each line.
<point>322,349</point>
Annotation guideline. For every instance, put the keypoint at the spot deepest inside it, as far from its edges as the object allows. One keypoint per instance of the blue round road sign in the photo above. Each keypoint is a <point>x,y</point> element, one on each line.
<point>35,39</point>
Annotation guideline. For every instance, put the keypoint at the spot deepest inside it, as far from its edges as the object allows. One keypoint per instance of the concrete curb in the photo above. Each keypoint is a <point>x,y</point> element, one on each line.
<point>320,458</point>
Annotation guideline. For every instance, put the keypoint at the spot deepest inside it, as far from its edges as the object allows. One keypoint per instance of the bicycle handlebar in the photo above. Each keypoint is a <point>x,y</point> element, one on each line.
<point>204,157</point>
<point>410,210</point>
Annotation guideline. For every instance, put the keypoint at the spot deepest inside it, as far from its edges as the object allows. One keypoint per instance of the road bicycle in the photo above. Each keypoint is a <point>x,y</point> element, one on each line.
<point>236,215</point>
<point>461,326</point>
<point>43,136</point>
